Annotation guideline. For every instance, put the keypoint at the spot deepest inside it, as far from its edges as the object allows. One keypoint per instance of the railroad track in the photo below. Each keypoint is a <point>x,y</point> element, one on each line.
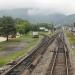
<point>31,60</point>
<point>60,60</point>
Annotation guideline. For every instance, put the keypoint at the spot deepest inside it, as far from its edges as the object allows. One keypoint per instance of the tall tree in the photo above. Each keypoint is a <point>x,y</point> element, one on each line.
<point>23,26</point>
<point>7,26</point>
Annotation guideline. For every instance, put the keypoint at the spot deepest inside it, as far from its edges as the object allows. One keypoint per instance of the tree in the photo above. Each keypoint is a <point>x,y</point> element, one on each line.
<point>34,27</point>
<point>7,26</point>
<point>23,26</point>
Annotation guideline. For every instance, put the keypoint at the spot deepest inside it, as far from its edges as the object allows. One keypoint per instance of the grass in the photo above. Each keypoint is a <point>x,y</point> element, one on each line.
<point>45,33</point>
<point>27,38</point>
<point>70,37</point>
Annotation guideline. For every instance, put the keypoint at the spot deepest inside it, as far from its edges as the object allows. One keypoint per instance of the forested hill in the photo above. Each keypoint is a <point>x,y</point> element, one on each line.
<point>51,18</point>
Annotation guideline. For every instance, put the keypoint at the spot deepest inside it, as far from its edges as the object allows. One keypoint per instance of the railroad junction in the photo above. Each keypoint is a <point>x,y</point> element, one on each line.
<point>50,57</point>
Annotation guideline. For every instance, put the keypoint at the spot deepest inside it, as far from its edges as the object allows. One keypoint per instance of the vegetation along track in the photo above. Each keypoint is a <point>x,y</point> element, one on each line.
<point>60,61</point>
<point>30,61</point>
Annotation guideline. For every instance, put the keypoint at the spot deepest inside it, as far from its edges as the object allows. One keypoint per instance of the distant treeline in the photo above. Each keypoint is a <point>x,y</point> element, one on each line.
<point>10,26</point>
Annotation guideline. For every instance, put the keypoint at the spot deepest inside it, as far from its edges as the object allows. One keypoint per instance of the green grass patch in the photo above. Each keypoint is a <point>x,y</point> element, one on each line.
<point>45,33</point>
<point>71,42</point>
<point>13,56</point>
<point>70,37</point>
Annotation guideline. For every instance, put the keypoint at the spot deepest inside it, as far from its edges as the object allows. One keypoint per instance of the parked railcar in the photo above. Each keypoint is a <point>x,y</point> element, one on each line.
<point>35,34</point>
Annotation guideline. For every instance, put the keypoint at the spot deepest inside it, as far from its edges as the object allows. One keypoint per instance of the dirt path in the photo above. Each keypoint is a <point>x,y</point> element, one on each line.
<point>2,39</point>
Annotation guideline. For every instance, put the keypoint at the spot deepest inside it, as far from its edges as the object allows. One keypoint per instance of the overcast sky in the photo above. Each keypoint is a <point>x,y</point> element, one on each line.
<point>41,6</point>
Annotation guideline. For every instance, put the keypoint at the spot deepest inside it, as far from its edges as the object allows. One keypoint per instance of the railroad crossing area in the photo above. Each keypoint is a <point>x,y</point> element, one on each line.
<point>50,57</point>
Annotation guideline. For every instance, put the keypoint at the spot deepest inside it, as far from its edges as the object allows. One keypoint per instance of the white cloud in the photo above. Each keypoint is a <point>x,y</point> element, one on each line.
<point>43,6</point>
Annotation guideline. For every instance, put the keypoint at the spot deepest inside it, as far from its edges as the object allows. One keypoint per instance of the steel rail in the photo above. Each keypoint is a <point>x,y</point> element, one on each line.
<point>56,53</point>
<point>65,49</point>
<point>23,59</point>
